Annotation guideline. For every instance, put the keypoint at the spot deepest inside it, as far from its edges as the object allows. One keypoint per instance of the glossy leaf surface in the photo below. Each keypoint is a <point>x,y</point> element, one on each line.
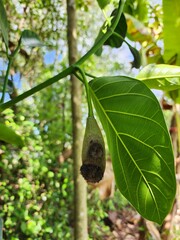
<point>163,77</point>
<point>9,136</point>
<point>139,144</point>
<point>4,23</point>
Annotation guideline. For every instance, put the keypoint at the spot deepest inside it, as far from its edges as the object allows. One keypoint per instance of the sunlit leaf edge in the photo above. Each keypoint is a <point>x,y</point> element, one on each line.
<point>161,76</point>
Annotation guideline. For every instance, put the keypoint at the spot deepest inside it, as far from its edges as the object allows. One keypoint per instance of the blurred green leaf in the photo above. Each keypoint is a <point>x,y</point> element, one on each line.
<point>171,29</point>
<point>142,9</point>
<point>161,76</point>
<point>137,30</point>
<point>4,23</point>
<point>9,136</point>
<point>31,39</point>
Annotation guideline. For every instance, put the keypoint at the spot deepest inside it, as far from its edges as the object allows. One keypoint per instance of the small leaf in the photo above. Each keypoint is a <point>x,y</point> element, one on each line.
<point>137,60</point>
<point>4,23</point>
<point>103,3</point>
<point>161,76</point>
<point>121,29</point>
<point>9,136</point>
<point>30,39</point>
<point>139,144</point>
<point>114,40</point>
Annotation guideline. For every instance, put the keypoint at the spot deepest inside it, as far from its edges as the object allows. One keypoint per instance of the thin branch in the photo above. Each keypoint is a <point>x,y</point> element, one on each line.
<point>84,79</point>
<point>10,58</point>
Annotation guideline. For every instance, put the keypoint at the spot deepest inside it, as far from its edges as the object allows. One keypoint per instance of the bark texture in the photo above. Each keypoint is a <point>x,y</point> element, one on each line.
<point>80,188</point>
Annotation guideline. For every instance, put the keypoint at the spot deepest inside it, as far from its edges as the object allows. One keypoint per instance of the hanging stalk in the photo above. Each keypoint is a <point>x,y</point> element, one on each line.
<point>84,80</point>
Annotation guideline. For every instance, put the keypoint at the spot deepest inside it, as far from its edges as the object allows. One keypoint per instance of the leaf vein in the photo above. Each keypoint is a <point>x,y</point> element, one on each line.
<point>138,116</point>
<point>126,94</point>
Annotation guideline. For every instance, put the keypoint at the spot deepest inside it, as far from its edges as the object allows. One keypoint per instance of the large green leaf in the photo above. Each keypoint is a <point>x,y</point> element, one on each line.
<point>161,76</point>
<point>171,30</point>
<point>139,144</point>
<point>4,23</point>
<point>9,136</point>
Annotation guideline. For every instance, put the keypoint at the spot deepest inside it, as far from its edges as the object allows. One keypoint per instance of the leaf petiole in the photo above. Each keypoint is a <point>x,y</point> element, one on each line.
<point>85,82</point>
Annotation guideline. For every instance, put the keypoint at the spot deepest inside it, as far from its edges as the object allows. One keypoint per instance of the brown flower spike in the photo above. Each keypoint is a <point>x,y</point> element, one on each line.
<point>93,152</point>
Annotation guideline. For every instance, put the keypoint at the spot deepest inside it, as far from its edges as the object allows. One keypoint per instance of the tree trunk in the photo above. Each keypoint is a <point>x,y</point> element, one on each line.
<point>80,189</point>
<point>171,225</point>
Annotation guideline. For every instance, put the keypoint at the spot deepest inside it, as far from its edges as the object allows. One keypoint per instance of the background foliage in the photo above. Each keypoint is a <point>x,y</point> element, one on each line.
<point>36,200</point>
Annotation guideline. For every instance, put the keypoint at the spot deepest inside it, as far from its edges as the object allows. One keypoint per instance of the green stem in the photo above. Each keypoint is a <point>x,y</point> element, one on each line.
<point>90,108</point>
<point>118,35</point>
<point>37,88</point>
<point>70,69</point>
<point>79,77</point>
<point>90,75</point>
<point>10,58</point>
<point>6,80</point>
<point>103,39</point>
